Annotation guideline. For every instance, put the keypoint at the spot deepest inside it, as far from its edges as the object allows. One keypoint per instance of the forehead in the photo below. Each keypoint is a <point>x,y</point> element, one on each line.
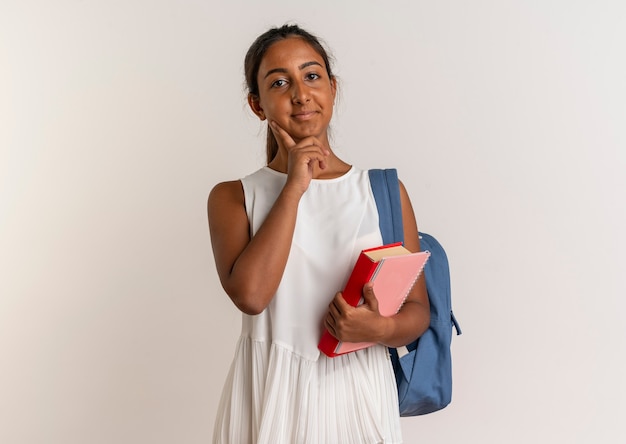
<point>289,52</point>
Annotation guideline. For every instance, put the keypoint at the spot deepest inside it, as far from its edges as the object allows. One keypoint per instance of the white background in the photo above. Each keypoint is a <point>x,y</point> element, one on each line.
<point>506,120</point>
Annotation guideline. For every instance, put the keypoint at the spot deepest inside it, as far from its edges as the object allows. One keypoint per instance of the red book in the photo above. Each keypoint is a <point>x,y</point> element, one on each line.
<point>393,270</point>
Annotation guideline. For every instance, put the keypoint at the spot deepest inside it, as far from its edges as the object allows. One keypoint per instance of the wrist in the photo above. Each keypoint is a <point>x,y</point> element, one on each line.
<point>291,193</point>
<point>385,328</point>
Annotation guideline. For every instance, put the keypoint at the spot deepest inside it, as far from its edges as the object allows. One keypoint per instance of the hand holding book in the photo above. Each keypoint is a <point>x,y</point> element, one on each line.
<point>352,323</point>
<point>392,271</point>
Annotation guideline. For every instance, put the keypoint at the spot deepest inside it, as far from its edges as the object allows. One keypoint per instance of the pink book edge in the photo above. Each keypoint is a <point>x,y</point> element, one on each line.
<point>392,304</point>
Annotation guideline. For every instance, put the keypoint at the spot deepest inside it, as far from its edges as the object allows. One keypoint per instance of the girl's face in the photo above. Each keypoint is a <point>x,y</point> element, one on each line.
<point>295,90</point>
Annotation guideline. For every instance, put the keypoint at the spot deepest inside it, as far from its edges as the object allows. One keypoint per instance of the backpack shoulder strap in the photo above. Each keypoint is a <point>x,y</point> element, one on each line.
<point>386,191</point>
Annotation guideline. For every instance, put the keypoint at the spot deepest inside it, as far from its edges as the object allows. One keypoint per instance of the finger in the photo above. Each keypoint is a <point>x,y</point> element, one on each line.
<point>307,156</point>
<point>330,326</point>
<point>369,296</point>
<point>329,321</point>
<point>315,151</point>
<point>282,137</point>
<point>333,314</point>
<point>339,304</point>
<point>313,142</point>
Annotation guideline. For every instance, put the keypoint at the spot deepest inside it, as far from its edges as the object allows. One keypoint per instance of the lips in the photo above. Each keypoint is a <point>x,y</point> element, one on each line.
<point>304,115</point>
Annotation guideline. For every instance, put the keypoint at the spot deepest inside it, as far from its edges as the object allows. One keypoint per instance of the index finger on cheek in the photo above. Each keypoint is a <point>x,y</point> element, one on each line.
<point>281,135</point>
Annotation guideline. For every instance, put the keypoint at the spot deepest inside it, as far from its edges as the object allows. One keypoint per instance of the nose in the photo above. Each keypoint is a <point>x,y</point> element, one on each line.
<point>300,93</point>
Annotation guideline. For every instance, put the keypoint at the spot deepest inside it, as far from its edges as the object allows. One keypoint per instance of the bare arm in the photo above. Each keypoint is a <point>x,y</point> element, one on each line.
<point>250,268</point>
<point>364,323</point>
<point>414,317</point>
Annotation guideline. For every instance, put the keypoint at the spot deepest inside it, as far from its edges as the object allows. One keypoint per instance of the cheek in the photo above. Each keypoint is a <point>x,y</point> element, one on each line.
<point>326,96</point>
<point>269,106</point>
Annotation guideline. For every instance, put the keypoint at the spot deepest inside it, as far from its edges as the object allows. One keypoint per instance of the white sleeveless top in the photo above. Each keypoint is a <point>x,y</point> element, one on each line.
<point>280,389</point>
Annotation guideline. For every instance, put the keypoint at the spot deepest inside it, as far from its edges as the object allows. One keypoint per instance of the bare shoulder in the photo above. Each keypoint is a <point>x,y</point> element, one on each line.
<point>404,198</point>
<point>225,193</point>
<point>402,187</point>
<point>226,203</point>
<point>411,238</point>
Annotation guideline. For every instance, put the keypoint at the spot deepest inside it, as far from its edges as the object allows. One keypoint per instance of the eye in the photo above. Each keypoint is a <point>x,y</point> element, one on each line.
<point>312,76</point>
<point>278,83</point>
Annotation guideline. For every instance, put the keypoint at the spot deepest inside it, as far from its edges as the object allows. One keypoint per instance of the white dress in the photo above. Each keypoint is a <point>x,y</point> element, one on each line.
<point>280,388</point>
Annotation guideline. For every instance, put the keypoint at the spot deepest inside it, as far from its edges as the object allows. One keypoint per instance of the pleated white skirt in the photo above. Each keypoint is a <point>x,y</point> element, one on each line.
<point>273,396</point>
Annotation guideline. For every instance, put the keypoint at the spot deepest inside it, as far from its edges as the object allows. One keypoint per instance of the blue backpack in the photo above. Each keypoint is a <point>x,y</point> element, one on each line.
<point>423,368</point>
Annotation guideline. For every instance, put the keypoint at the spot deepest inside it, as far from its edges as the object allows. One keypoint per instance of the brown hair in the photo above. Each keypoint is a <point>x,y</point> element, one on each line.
<point>255,54</point>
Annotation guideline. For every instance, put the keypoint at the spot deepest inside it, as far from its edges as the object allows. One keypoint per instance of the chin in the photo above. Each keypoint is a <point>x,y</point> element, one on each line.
<point>307,131</point>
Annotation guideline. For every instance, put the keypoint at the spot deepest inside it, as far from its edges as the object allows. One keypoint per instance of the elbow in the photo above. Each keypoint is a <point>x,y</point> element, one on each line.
<point>423,324</point>
<point>414,325</point>
<point>248,301</point>
<point>249,307</point>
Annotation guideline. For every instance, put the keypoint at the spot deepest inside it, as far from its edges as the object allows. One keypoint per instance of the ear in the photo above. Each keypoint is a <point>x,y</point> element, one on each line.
<point>255,105</point>
<point>333,86</point>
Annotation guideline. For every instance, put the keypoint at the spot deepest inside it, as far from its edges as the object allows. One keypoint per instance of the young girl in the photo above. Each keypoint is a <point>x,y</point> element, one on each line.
<point>285,239</point>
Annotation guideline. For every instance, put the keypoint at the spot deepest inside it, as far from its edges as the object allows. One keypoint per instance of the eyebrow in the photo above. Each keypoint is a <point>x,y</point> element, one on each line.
<point>301,67</point>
